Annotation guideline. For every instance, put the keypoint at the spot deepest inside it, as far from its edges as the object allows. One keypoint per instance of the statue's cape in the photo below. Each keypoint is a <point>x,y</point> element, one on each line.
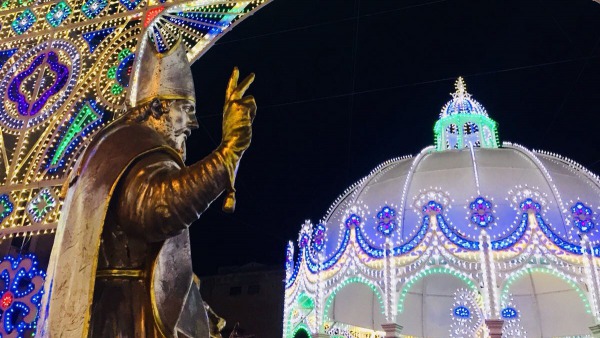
<point>69,288</point>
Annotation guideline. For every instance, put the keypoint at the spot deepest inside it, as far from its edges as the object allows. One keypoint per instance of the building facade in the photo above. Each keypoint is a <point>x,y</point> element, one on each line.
<point>250,295</point>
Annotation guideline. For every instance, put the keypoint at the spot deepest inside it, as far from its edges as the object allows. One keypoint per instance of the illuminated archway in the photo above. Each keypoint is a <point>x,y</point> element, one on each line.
<point>347,304</point>
<point>301,331</point>
<point>301,314</point>
<point>426,301</point>
<point>550,304</point>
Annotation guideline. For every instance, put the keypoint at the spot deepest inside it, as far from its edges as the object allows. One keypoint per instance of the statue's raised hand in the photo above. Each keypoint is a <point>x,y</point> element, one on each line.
<point>238,113</point>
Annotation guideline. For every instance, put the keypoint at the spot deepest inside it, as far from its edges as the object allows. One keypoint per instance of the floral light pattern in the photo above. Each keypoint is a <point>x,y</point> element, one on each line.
<point>386,220</point>
<point>482,212</point>
<point>21,283</point>
<point>583,217</point>
<point>318,237</point>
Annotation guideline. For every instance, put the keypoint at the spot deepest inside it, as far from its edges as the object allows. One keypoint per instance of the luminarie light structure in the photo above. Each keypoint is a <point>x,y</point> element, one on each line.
<point>67,69</point>
<point>469,238</point>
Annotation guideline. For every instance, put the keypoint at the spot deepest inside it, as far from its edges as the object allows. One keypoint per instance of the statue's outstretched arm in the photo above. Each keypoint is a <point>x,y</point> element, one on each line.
<point>157,198</point>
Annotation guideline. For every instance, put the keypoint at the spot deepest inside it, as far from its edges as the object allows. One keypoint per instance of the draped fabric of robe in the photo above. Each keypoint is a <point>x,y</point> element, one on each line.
<point>120,265</point>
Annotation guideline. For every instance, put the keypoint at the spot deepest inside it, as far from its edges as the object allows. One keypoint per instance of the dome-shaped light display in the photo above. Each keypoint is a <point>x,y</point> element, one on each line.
<point>512,229</point>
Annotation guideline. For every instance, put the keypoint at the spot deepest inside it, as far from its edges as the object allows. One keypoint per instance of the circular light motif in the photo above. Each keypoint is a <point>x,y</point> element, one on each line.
<point>386,220</point>
<point>6,300</point>
<point>583,217</point>
<point>318,237</point>
<point>41,205</point>
<point>20,294</point>
<point>509,313</point>
<point>462,312</point>
<point>38,84</point>
<point>481,212</point>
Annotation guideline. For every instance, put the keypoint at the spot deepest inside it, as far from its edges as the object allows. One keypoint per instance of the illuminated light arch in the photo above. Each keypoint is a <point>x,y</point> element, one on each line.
<point>358,280</point>
<point>300,327</point>
<point>430,271</point>
<point>513,277</point>
<point>87,50</point>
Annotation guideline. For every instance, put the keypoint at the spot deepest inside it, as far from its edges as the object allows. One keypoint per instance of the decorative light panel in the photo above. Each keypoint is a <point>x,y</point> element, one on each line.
<point>67,68</point>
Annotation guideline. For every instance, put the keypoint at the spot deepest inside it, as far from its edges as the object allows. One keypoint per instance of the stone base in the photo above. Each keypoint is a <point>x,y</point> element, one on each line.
<point>495,327</point>
<point>392,330</point>
<point>595,330</point>
<point>321,335</point>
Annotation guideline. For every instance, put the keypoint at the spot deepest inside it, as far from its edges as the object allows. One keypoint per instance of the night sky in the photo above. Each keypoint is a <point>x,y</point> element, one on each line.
<point>343,85</point>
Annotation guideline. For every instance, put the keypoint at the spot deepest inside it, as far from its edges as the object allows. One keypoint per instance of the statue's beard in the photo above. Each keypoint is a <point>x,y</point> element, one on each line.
<point>182,149</point>
<point>174,135</point>
<point>178,143</point>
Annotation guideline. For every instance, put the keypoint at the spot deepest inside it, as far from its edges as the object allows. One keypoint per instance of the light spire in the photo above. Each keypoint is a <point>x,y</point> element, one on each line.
<point>461,87</point>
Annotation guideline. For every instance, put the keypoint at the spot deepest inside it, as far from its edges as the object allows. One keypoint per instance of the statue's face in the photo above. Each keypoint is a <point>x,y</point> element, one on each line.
<point>177,125</point>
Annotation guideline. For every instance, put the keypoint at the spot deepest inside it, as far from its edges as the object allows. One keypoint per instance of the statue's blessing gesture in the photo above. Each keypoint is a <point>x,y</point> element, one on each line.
<point>120,265</point>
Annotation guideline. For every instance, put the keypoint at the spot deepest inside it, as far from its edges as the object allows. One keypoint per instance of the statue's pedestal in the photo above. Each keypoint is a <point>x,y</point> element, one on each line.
<point>495,327</point>
<point>392,330</point>
<point>595,330</point>
<point>321,335</point>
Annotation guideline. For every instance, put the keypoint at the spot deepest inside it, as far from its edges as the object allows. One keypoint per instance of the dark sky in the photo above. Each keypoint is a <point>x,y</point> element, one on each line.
<point>343,85</point>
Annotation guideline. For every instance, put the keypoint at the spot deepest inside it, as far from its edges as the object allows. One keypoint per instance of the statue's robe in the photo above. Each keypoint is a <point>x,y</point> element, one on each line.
<point>120,265</point>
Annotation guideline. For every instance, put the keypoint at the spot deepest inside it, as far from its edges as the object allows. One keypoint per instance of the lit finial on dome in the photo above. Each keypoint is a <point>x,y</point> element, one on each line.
<point>461,87</point>
<point>464,122</point>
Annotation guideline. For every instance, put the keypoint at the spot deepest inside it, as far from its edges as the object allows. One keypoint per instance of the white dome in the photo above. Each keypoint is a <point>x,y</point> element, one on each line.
<point>505,177</point>
<point>444,238</point>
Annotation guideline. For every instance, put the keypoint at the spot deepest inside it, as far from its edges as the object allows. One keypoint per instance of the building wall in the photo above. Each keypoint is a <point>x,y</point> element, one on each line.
<point>252,295</point>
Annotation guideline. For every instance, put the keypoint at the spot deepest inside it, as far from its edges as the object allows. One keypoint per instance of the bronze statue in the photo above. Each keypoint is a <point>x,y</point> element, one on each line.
<point>120,265</point>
